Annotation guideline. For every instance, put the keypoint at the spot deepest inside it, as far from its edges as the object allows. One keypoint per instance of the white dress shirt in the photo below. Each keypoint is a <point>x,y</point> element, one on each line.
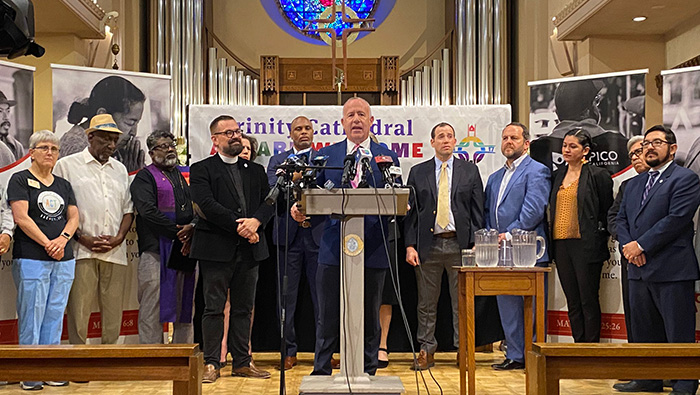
<point>438,168</point>
<point>103,197</point>
<point>661,171</point>
<point>351,146</point>
<point>510,170</point>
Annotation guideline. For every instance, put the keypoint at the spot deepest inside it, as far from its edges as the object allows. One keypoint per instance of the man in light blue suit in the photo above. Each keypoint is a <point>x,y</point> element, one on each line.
<point>516,197</point>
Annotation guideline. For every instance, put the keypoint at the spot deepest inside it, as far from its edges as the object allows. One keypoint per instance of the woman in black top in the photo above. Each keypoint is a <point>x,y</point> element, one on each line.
<point>43,269</point>
<point>578,206</point>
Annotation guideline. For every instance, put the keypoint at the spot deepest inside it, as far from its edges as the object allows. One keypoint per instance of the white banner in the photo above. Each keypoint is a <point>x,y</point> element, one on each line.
<point>610,107</point>
<point>405,130</point>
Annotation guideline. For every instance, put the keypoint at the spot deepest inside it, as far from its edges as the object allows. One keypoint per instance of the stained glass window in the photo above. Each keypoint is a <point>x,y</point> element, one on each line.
<point>298,12</point>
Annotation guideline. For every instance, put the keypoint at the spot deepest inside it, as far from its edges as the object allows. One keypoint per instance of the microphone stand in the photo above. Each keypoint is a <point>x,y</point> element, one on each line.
<point>283,283</point>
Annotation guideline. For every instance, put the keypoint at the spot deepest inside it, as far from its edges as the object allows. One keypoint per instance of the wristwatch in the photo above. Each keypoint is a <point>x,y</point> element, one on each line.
<point>66,235</point>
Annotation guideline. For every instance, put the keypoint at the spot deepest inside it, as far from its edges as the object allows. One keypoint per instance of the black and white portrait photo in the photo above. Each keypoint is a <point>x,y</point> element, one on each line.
<point>16,111</point>
<point>138,102</point>
<point>681,94</point>
<point>610,108</point>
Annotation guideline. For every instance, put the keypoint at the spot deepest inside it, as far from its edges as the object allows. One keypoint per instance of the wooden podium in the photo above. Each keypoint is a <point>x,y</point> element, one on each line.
<point>354,204</point>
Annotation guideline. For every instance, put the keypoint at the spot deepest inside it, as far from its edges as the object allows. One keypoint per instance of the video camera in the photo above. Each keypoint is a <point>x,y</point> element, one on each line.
<point>17,29</point>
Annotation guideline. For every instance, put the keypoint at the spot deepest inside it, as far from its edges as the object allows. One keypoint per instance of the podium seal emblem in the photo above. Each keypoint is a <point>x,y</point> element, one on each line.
<point>352,245</point>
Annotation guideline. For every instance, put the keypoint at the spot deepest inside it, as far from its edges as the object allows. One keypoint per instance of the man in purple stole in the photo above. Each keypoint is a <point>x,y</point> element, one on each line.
<point>164,225</point>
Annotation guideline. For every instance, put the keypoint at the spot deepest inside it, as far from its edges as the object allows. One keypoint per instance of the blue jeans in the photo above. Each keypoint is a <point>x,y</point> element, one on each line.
<point>42,295</point>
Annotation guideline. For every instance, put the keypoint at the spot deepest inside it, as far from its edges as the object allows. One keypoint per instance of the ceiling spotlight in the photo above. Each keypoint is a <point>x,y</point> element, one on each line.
<point>639,18</point>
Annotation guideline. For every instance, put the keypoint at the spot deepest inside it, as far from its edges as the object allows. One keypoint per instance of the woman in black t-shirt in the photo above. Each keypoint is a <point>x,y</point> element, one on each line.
<point>43,269</point>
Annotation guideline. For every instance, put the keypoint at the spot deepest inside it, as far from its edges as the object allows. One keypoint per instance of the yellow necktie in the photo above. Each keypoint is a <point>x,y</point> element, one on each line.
<point>443,210</point>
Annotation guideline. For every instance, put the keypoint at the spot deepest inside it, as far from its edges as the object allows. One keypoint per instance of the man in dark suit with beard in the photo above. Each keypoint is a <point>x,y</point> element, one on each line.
<point>297,242</point>
<point>229,242</point>
<point>655,228</point>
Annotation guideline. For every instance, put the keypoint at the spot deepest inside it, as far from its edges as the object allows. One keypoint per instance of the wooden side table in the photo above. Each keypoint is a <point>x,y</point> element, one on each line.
<point>491,281</point>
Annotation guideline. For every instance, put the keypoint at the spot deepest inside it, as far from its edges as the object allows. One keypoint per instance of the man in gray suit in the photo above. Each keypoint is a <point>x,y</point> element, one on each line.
<point>448,203</point>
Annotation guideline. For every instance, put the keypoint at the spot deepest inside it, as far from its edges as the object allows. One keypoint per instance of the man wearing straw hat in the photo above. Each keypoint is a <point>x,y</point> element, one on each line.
<point>101,185</point>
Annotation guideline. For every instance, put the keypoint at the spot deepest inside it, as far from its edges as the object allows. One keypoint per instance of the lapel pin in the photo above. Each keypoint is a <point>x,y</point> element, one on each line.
<point>245,165</point>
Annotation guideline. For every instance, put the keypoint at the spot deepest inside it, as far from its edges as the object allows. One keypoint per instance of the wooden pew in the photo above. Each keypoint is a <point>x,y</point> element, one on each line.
<point>548,363</point>
<point>180,363</point>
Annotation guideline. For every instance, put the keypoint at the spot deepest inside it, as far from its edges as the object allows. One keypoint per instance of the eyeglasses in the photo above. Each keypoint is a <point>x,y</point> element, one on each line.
<point>656,143</point>
<point>637,153</point>
<point>165,146</point>
<point>229,133</point>
<point>46,148</point>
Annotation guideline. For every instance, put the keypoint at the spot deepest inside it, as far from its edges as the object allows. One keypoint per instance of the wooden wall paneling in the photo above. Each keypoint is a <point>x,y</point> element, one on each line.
<point>270,81</point>
<point>315,75</point>
<point>390,80</point>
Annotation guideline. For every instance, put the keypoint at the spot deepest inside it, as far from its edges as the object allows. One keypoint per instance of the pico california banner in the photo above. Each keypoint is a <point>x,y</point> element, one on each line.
<point>610,107</point>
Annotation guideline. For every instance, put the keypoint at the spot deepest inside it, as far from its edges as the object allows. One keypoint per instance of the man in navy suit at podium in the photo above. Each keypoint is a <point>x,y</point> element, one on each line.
<point>357,119</point>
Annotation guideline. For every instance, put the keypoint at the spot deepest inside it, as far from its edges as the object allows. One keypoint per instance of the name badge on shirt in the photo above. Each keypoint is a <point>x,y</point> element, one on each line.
<point>33,183</point>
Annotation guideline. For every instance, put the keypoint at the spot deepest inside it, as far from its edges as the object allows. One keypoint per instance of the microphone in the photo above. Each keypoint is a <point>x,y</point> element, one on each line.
<point>348,169</point>
<point>281,174</point>
<point>304,155</point>
<point>319,160</point>
<point>294,163</point>
<point>365,156</point>
<point>310,174</point>
<point>384,162</point>
<point>395,172</point>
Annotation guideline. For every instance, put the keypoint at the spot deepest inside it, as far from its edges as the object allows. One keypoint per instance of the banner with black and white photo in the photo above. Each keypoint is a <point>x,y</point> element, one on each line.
<point>139,104</point>
<point>681,98</point>
<point>610,107</point>
<point>16,125</point>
